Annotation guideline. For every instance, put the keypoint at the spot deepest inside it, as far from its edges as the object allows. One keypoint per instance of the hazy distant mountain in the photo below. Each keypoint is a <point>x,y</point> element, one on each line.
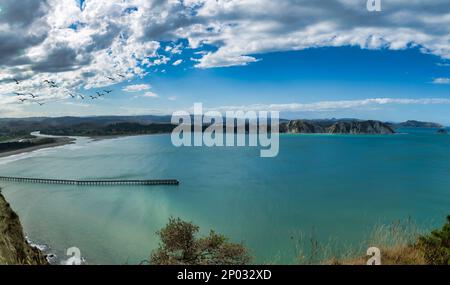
<point>415,124</point>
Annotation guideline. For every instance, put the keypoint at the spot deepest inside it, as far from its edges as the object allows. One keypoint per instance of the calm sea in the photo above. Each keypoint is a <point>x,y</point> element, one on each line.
<point>333,187</point>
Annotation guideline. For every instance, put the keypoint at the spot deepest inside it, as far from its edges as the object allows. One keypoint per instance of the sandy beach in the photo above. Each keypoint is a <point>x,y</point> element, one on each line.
<point>59,142</point>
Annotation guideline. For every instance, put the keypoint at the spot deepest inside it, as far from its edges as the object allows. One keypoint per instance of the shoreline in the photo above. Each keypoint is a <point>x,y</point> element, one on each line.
<point>60,142</point>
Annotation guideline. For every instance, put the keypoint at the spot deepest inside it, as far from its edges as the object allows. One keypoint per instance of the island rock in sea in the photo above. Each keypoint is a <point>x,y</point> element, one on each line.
<point>14,248</point>
<point>336,127</point>
<point>442,132</point>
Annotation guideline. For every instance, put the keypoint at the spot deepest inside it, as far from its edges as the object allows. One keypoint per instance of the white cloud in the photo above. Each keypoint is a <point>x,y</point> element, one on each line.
<point>172,98</point>
<point>112,41</point>
<point>177,62</point>
<point>137,88</point>
<point>150,95</point>
<point>441,80</point>
<point>326,106</point>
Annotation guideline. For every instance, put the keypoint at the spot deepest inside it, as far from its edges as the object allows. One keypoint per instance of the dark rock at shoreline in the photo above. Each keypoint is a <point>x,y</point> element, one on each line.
<point>442,132</point>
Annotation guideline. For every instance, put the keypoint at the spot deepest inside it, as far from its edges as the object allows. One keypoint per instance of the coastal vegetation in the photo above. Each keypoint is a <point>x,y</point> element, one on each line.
<point>181,246</point>
<point>403,244</point>
<point>400,243</point>
<point>25,143</point>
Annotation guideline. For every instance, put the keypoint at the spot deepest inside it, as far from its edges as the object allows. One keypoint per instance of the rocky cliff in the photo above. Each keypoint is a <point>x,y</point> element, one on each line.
<point>14,249</point>
<point>336,127</point>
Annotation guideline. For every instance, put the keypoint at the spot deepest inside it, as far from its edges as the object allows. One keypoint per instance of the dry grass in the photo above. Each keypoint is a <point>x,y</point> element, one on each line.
<point>397,243</point>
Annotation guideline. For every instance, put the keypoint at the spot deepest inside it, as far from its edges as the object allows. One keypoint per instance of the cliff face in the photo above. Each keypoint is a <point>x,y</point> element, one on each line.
<point>14,249</point>
<point>301,127</point>
<point>339,127</point>
<point>355,127</point>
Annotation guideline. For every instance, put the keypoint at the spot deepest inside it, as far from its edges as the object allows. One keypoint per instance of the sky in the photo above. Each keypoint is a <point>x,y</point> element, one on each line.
<point>304,58</point>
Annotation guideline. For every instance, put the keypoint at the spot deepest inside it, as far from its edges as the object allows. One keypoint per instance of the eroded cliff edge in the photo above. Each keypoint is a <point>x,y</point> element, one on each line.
<point>14,249</point>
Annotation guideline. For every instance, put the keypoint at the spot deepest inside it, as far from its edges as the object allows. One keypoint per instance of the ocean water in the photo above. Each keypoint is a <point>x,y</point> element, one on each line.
<point>334,187</point>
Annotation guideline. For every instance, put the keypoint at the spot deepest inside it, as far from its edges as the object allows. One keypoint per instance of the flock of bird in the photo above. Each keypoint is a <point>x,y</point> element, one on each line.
<point>29,96</point>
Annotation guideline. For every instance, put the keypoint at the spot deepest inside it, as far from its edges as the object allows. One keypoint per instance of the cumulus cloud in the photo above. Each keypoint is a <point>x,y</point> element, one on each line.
<point>105,42</point>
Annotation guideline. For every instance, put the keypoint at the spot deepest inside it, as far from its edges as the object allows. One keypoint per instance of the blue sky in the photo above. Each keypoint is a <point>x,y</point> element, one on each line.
<point>308,76</point>
<point>304,58</point>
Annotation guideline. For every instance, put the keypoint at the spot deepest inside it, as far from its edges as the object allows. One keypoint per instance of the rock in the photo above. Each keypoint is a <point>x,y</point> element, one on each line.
<point>442,132</point>
<point>363,127</point>
<point>301,127</point>
<point>14,248</point>
<point>335,127</point>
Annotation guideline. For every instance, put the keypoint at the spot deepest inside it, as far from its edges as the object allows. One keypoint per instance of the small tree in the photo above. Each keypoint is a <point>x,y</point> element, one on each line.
<point>436,246</point>
<point>179,246</point>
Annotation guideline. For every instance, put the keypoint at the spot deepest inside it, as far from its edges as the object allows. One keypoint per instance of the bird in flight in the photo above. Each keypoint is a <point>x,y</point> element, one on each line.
<point>51,83</point>
<point>40,104</point>
<point>110,78</point>
<point>107,91</point>
<point>100,94</point>
<point>92,97</point>
<point>32,95</point>
<point>23,100</point>
<point>18,94</point>
<point>123,76</point>
<point>71,95</point>
<point>17,81</point>
<point>82,97</point>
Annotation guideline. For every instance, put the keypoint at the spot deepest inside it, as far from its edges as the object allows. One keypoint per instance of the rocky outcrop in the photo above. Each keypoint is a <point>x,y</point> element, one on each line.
<point>335,127</point>
<point>442,132</point>
<point>364,127</point>
<point>301,127</point>
<point>14,249</point>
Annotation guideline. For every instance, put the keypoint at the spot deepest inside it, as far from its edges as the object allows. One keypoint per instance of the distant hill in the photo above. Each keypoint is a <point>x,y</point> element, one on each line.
<point>129,125</point>
<point>416,124</point>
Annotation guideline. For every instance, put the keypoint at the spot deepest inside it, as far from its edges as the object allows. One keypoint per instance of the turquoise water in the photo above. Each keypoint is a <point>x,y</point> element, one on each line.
<point>339,187</point>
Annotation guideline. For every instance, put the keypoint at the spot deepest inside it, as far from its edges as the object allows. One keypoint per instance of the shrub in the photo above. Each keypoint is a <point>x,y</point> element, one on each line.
<point>436,246</point>
<point>180,246</point>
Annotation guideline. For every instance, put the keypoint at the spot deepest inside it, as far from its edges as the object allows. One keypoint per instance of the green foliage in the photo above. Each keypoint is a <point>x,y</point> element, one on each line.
<point>180,246</point>
<point>16,145</point>
<point>436,246</point>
